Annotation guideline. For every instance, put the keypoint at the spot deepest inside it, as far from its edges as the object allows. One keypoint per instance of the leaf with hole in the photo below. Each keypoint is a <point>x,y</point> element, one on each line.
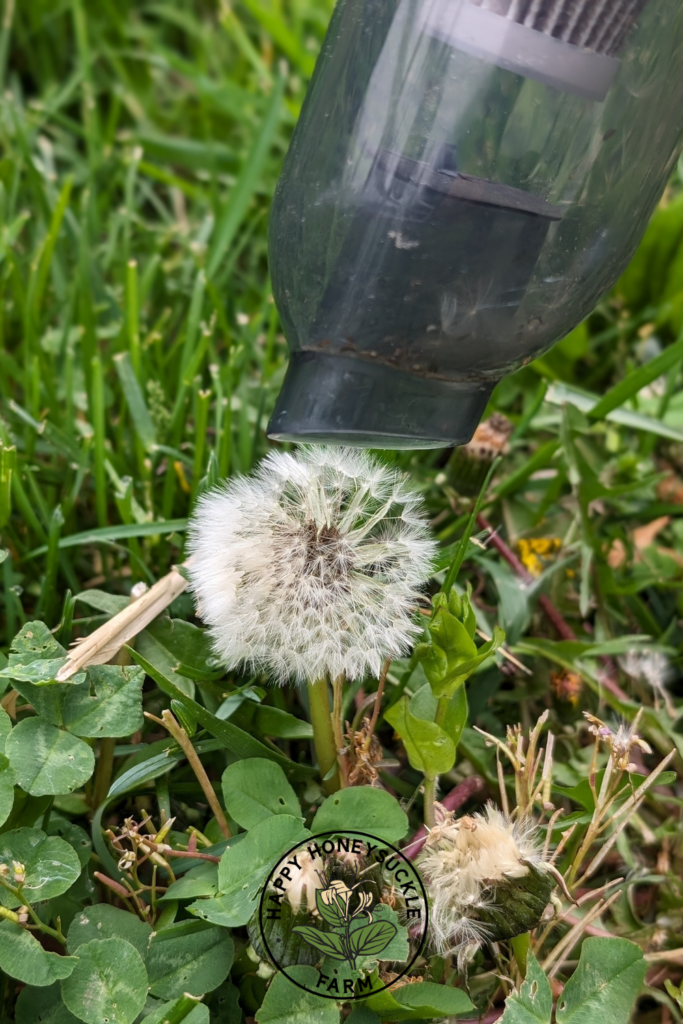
<point>255,789</point>
<point>533,1002</point>
<point>364,809</point>
<point>103,921</point>
<point>35,656</point>
<point>190,957</point>
<point>605,984</point>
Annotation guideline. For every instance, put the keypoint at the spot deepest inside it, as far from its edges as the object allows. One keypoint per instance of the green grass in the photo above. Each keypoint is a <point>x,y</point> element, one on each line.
<point>140,358</point>
<point>140,350</point>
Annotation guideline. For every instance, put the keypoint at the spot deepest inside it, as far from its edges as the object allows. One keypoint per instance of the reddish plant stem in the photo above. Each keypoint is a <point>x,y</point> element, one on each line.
<point>168,851</point>
<point>463,792</point>
<point>553,615</point>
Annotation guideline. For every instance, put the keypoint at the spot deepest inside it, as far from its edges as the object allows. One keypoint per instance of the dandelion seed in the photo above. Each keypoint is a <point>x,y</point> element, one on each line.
<point>654,668</point>
<point>486,880</point>
<point>311,567</point>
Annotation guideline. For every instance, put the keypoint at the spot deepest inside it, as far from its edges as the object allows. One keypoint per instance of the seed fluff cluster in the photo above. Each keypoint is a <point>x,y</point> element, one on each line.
<point>312,566</point>
<point>476,868</point>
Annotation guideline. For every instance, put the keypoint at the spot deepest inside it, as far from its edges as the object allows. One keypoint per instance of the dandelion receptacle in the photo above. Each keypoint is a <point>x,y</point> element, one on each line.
<point>467,178</point>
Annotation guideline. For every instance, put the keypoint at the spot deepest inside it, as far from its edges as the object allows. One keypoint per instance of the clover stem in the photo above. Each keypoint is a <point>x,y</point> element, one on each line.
<point>521,944</point>
<point>323,734</point>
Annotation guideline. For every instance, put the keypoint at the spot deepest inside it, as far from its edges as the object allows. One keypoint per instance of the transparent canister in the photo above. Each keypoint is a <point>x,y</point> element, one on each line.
<point>466,180</point>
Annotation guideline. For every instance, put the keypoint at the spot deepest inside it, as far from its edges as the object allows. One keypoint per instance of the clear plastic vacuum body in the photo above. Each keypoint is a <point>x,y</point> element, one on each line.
<point>466,180</point>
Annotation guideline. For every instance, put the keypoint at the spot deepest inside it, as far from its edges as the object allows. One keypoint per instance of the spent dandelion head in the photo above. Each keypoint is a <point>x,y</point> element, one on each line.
<point>312,566</point>
<point>486,880</point>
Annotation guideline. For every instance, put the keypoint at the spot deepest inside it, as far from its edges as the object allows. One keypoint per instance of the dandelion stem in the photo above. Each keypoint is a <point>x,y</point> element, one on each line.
<point>429,800</point>
<point>521,944</point>
<point>323,735</point>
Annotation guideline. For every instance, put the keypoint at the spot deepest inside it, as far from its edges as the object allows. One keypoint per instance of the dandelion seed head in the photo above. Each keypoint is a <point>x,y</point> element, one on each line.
<point>466,860</point>
<point>312,566</point>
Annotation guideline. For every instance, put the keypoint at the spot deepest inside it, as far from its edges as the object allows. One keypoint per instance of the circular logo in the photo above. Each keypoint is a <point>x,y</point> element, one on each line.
<point>348,904</point>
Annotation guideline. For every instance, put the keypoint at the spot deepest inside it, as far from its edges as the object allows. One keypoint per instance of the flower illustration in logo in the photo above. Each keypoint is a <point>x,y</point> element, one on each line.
<point>347,941</point>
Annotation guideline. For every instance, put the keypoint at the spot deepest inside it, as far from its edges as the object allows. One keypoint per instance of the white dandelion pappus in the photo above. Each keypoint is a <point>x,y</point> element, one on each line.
<point>312,566</point>
<point>464,861</point>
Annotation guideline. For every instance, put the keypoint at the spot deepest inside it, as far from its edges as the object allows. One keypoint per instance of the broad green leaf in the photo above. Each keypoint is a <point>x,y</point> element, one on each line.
<point>605,984</point>
<point>267,721</point>
<point>533,1003</point>
<point>23,957</point>
<point>77,838</point>
<point>162,660</point>
<point>199,881</point>
<point>224,1004</point>
<point>51,864</point>
<point>46,760</point>
<point>189,957</point>
<point>428,747</point>
<point>514,608</point>
<point>43,1006</point>
<point>364,809</point>
<point>35,656</point>
<point>327,942</point>
<point>107,703</point>
<point>7,783</point>
<point>109,982</point>
<point>254,789</point>
<point>372,939</point>
<point>5,728</point>
<point>286,1003</point>
<point>188,645</point>
<point>244,867</point>
<point>110,704</point>
<point>360,1014</point>
<point>423,999</point>
<point>106,922</point>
